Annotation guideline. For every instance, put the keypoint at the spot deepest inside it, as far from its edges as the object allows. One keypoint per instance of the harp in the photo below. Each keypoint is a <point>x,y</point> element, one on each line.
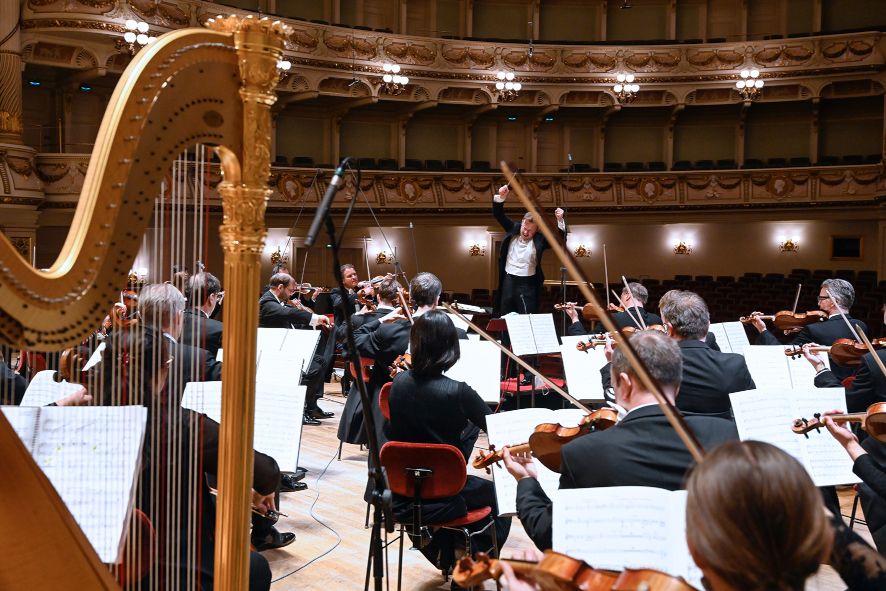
<point>213,86</point>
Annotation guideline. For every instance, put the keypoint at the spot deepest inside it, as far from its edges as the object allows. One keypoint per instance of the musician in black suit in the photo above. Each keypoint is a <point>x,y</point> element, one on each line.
<point>708,376</point>
<point>275,310</point>
<point>633,301</point>
<point>519,263</point>
<point>12,385</point>
<point>199,329</point>
<point>642,449</point>
<point>428,407</point>
<point>823,333</point>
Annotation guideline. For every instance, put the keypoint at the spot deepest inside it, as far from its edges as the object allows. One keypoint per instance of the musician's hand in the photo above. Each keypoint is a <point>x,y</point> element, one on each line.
<point>77,398</point>
<point>607,349</point>
<point>363,310</point>
<point>320,320</point>
<point>816,359</point>
<point>558,213</point>
<point>571,312</point>
<point>392,316</point>
<point>503,192</point>
<point>263,503</point>
<point>796,329</point>
<point>844,436</point>
<point>514,583</point>
<point>520,466</point>
<point>757,322</point>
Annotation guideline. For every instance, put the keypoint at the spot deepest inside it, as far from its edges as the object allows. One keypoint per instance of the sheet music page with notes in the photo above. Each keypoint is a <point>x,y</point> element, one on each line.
<point>770,366</point>
<point>719,332</point>
<point>625,526</point>
<point>44,390</point>
<point>478,366</point>
<point>513,428</point>
<point>532,334</point>
<point>767,414</point>
<point>731,337</point>
<point>279,407</point>
<point>91,455</point>
<point>582,369</point>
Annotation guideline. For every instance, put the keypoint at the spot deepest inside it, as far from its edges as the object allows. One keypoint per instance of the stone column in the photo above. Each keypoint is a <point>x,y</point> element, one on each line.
<point>21,190</point>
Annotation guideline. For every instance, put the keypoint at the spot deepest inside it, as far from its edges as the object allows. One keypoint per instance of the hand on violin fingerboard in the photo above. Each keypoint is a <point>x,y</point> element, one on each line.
<point>520,466</point>
<point>813,357</point>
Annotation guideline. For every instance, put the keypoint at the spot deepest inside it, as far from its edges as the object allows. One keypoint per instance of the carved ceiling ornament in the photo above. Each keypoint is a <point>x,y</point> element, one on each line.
<point>414,53</point>
<point>652,61</point>
<point>409,190</point>
<point>90,6</point>
<point>780,186</point>
<point>166,12</point>
<point>21,166</point>
<point>718,59</point>
<point>303,41</point>
<point>581,60</point>
<point>784,55</point>
<point>350,45</point>
<point>290,187</point>
<point>844,50</point>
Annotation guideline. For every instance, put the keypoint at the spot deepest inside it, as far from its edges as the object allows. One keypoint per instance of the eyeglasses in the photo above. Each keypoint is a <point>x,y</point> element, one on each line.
<point>820,298</point>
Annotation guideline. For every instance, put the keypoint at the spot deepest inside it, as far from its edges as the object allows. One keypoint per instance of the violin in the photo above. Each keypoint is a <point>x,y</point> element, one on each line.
<point>401,363</point>
<point>306,288</point>
<point>787,320</point>
<point>648,579</point>
<point>547,440</point>
<point>873,421</point>
<point>403,297</point>
<point>844,352</point>
<point>587,311</point>
<point>366,301</point>
<point>591,343</point>
<point>553,571</point>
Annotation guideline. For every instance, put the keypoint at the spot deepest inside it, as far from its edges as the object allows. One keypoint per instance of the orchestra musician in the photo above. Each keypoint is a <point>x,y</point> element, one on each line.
<point>708,376</point>
<point>824,333</point>
<point>642,449</point>
<point>519,264</point>
<point>12,385</point>
<point>633,301</point>
<point>200,329</point>
<point>428,407</point>
<point>148,355</point>
<point>351,280</point>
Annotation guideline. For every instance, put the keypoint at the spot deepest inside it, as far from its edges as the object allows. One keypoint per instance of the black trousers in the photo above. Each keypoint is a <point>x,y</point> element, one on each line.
<point>519,294</point>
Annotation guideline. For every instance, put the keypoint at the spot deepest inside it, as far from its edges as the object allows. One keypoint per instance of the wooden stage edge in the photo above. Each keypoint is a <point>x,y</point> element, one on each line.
<point>331,546</point>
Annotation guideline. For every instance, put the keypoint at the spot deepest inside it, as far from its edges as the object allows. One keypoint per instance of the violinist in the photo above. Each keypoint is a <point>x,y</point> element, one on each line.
<point>823,333</point>
<point>708,376</point>
<point>633,301</point>
<point>351,281</point>
<point>428,407</point>
<point>386,293</point>
<point>754,520</point>
<point>200,330</point>
<point>642,449</point>
<point>12,385</point>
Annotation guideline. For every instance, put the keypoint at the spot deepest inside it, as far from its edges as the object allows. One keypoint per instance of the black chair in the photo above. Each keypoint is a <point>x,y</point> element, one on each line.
<point>828,161</point>
<point>682,165</point>
<point>281,161</point>
<point>726,164</point>
<point>801,162</point>
<point>582,167</point>
<point>635,166</point>
<point>752,163</point>
<point>703,165</point>
<point>853,159</point>
<point>873,158</point>
<point>435,165</point>
<point>454,165</point>
<point>412,164</point>
<point>777,163</point>
<point>367,163</point>
<point>657,166</point>
<point>480,165</point>
<point>612,167</point>
<point>387,164</point>
<point>303,162</point>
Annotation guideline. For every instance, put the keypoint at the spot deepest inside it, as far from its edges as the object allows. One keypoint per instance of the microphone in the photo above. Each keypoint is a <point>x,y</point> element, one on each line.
<point>323,209</point>
<point>522,299</point>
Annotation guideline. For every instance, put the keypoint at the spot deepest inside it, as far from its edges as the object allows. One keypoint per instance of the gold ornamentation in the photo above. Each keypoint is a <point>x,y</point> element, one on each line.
<point>581,251</point>
<point>410,191</point>
<point>682,248</point>
<point>20,166</point>
<point>10,122</point>
<point>780,186</point>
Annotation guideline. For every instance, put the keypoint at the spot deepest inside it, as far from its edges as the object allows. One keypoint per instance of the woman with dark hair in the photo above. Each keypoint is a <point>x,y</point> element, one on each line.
<point>428,407</point>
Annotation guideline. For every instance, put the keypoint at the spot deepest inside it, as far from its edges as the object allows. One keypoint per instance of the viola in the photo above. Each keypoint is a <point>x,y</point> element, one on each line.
<point>553,571</point>
<point>401,363</point>
<point>787,320</point>
<point>547,440</point>
<point>648,579</point>
<point>873,421</point>
<point>844,352</point>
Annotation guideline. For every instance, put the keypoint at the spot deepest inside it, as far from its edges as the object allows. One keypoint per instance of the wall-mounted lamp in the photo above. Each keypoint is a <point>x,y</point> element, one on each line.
<point>277,257</point>
<point>750,85</point>
<point>581,251</point>
<point>392,82</point>
<point>383,258</point>
<point>477,250</point>
<point>789,245</point>
<point>136,36</point>
<point>682,248</point>
<point>138,277</point>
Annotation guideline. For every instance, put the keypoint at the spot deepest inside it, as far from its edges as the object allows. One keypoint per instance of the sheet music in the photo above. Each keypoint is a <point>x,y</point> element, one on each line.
<point>96,357</point>
<point>719,332</point>
<point>731,337</point>
<point>278,415</point>
<point>582,369</point>
<point>513,428</point>
<point>532,334</point>
<point>44,390</point>
<point>458,322</point>
<point>770,367</point>
<point>91,454</point>
<point>592,524</point>
<point>766,414</point>
<point>478,367</point>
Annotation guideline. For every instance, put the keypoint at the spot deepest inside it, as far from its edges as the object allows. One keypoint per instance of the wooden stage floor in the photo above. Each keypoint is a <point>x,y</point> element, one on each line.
<point>331,546</point>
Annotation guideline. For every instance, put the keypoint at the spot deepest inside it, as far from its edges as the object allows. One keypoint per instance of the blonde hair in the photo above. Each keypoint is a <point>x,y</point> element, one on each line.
<point>754,517</point>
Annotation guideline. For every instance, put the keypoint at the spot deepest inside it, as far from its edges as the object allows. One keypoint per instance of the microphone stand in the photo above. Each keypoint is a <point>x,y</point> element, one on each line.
<point>380,492</point>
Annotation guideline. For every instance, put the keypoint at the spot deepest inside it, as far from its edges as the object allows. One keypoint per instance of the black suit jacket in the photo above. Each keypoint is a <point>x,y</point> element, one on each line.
<point>623,319</point>
<point>12,385</point>
<point>868,387</point>
<point>335,297</point>
<point>273,314</point>
<point>200,331</point>
<point>191,364</point>
<point>823,333</point>
<point>709,377</point>
<point>641,450</point>
<point>512,230</point>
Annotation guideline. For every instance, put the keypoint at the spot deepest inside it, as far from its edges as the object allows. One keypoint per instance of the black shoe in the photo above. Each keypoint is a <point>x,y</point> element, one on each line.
<point>526,381</point>
<point>290,482</point>
<point>319,413</point>
<point>275,539</point>
<point>300,470</point>
<point>309,420</point>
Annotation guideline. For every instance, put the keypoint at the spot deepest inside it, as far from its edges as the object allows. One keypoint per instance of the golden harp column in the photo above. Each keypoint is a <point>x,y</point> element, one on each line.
<point>245,193</point>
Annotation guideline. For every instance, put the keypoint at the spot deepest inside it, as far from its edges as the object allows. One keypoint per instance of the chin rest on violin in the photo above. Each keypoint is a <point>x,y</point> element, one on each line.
<point>873,421</point>
<point>547,440</point>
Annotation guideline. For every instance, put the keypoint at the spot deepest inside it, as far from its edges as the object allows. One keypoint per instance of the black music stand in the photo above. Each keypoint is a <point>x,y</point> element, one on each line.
<point>499,326</point>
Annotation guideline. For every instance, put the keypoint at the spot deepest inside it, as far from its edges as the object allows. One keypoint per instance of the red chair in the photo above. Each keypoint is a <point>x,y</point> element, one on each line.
<point>428,471</point>
<point>365,374</point>
<point>383,396</point>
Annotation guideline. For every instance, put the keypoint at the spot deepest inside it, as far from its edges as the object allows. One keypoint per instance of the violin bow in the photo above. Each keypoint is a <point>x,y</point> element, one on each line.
<point>641,323</point>
<point>670,412</point>
<point>859,335</point>
<point>627,310</point>
<point>606,275</point>
<point>797,298</point>
<point>517,360</point>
